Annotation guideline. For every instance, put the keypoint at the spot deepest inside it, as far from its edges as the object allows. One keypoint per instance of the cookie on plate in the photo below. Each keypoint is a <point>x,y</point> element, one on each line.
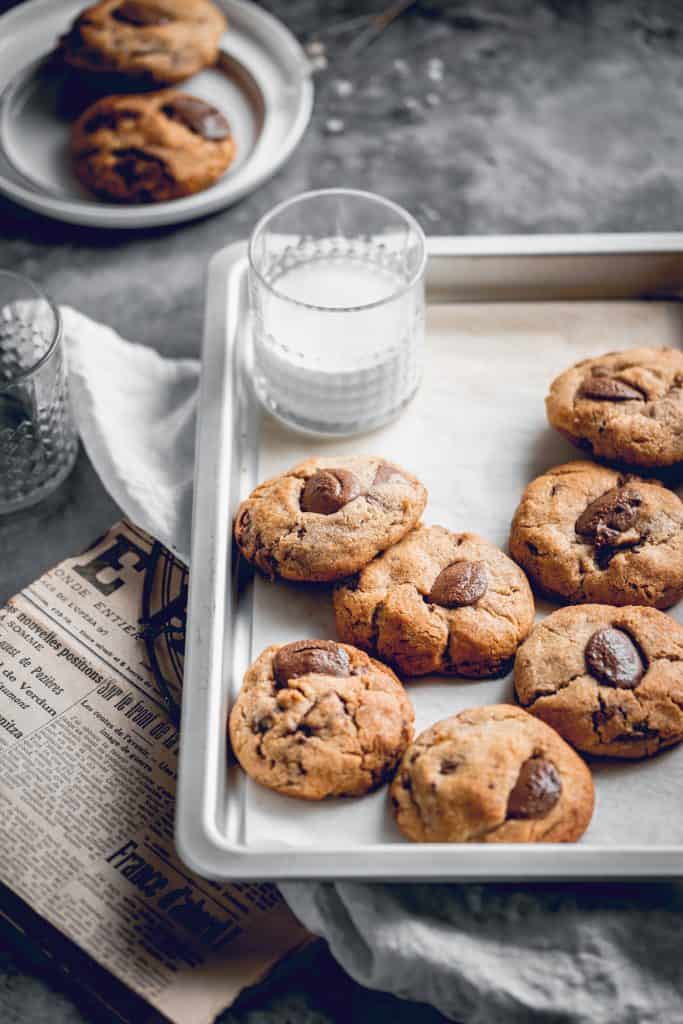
<point>584,532</point>
<point>610,680</point>
<point>326,518</point>
<point>624,406</point>
<point>151,148</point>
<point>316,718</point>
<point>147,42</point>
<point>438,602</point>
<point>492,775</point>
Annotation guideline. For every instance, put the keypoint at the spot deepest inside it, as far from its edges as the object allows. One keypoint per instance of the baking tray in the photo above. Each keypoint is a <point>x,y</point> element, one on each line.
<point>504,314</point>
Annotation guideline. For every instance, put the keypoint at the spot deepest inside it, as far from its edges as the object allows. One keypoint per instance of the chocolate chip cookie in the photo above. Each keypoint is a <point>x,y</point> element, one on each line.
<point>328,517</point>
<point>438,602</point>
<point>492,775</point>
<point>624,406</point>
<point>584,532</point>
<point>149,42</point>
<point>315,719</point>
<point>144,149</point>
<point>610,680</point>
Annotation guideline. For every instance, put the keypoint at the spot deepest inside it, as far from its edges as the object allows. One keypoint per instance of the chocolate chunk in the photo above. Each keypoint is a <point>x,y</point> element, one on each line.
<point>262,724</point>
<point>386,472</point>
<point>608,520</point>
<point>304,657</point>
<point>135,165</point>
<point>200,117</point>
<point>328,490</point>
<point>536,791</point>
<point>608,389</point>
<point>134,12</point>
<point>459,584</point>
<point>109,119</point>
<point>613,658</point>
<point>603,555</point>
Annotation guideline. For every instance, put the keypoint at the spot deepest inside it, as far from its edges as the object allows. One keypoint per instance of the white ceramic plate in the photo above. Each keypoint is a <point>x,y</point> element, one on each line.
<point>262,83</point>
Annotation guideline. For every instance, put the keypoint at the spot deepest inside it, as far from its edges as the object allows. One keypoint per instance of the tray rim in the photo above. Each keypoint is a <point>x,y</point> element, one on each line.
<point>198,839</point>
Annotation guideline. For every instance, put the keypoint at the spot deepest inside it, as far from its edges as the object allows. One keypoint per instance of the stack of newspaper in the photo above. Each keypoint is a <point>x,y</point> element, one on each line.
<point>88,762</point>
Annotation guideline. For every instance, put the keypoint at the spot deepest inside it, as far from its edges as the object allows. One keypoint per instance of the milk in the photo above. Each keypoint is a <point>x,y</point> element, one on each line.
<point>337,342</point>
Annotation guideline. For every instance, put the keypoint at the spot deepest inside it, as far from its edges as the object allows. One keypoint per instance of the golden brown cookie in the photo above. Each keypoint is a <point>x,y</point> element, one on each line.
<point>315,719</point>
<point>326,518</point>
<point>151,148</point>
<point>492,775</point>
<point>151,42</point>
<point>624,406</point>
<point>438,601</point>
<point>584,532</point>
<point>610,680</point>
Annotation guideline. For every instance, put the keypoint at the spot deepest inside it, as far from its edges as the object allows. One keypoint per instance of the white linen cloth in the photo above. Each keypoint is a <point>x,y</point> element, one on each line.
<point>577,954</point>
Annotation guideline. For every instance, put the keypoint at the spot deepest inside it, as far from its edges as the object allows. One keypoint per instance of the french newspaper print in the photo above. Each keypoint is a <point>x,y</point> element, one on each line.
<point>88,764</point>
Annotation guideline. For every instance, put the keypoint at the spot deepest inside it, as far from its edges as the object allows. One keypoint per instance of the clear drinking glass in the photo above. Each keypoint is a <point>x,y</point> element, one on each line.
<point>336,282</point>
<point>38,441</point>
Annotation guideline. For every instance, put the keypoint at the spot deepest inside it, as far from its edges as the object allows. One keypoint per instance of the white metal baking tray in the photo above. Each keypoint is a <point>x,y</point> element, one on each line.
<point>502,314</point>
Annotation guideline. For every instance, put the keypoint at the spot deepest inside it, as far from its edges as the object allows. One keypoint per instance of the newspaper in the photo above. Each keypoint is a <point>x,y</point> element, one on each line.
<point>88,763</point>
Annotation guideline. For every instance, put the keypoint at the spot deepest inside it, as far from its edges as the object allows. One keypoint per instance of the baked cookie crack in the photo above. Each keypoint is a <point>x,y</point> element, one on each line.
<point>540,694</point>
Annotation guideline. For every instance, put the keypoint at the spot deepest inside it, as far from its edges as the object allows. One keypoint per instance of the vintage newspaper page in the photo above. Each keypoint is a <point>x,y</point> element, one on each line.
<point>88,761</point>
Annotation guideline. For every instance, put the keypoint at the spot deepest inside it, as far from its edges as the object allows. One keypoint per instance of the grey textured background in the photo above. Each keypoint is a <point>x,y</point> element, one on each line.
<point>546,116</point>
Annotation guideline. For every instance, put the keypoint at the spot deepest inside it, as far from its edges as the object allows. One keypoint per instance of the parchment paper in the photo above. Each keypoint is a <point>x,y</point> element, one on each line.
<point>475,435</point>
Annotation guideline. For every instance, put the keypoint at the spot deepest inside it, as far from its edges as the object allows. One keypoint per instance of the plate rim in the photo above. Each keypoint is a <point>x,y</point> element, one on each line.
<point>131,217</point>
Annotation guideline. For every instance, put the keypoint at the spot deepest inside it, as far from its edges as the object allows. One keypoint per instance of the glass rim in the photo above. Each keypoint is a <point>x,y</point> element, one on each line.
<point>56,334</point>
<point>357,194</point>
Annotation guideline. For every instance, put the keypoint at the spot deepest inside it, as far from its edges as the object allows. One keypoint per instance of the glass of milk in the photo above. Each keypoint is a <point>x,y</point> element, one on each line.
<point>336,284</point>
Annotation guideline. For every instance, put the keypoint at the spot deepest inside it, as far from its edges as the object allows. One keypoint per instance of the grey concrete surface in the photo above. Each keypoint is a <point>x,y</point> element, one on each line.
<point>494,116</point>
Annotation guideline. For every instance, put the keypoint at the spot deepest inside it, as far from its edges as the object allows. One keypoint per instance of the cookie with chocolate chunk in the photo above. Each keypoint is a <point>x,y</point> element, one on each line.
<point>438,602</point>
<point>146,42</point>
<point>584,532</point>
<point>144,149</point>
<point>610,680</point>
<point>626,407</point>
<point>492,775</point>
<point>316,719</point>
<point>326,518</point>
